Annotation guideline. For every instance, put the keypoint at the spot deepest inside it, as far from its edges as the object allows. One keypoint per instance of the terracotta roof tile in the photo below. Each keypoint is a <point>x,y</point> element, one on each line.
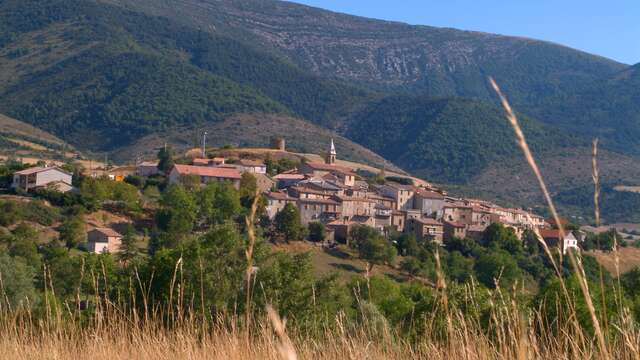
<point>217,172</point>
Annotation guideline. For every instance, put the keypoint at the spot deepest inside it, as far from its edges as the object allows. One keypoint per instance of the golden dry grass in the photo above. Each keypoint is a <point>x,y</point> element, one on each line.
<point>629,259</point>
<point>112,336</point>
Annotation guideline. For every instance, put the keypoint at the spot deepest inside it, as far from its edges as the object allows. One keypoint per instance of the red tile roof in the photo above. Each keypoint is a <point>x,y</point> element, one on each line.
<point>247,162</point>
<point>199,161</point>
<point>552,221</point>
<point>207,171</point>
<point>550,234</point>
<point>279,196</point>
<point>429,221</point>
<point>285,176</point>
<point>454,224</point>
<point>330,167</point>
<point>349,198</point>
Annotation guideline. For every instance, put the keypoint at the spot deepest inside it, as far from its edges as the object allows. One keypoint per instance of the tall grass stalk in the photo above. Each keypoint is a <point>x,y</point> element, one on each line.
<point>576,263</point>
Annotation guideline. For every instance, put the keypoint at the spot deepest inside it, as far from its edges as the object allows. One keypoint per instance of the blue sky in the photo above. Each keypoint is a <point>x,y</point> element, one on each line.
<point>610,28</point>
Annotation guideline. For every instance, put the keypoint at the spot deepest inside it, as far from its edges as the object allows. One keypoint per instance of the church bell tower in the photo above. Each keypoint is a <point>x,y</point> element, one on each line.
<point>331,155</point>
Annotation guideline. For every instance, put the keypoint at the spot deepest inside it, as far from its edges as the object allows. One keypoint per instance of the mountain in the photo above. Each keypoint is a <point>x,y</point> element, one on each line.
<point>608,109</point>
<point>448,140</point>
<point>383,54</point>
<point>576,91</point>
<point>122,76</point>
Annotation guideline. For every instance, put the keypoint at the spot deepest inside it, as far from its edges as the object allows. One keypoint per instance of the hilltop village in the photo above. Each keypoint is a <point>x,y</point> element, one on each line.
<point>327,193</point>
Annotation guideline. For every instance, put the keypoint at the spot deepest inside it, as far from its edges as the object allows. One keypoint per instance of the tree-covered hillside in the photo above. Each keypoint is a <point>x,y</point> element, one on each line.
<point>447,140</point>
<point>383,54</point>
<point>103,74</point>
<point>608,109</point>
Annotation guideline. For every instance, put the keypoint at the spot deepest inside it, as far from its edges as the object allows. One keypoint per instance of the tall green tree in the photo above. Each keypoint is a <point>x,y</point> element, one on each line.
<point>496,266</point>
<point>128,248</point>
<point>288,223</point>
<point>17,281</point>
<point>22,243</point>
<point>178,213</point>
<point>73,232</point>
<point>499,236</point>
<point>165,159</point>
<point>372,246</point>
<point>217,203</point>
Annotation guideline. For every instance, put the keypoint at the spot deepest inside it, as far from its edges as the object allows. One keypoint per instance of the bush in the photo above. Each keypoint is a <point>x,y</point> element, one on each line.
<point>317,231</point>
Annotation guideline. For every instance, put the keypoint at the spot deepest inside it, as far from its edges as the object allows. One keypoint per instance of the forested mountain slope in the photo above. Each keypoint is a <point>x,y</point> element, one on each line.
<point>436,61</point>
<point>108,75</point>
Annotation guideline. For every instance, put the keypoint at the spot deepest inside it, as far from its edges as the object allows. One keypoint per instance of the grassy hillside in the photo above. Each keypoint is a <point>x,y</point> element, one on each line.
<point>18,129</point>
<point>255,130</point>
<point>21,140</point>
<point>140,74</point>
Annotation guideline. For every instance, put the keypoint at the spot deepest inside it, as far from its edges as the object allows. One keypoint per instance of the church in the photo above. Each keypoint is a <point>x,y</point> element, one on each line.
<point>329,168</point>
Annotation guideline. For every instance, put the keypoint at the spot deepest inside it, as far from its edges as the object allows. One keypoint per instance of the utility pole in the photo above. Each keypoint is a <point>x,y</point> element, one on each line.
<point>204,144</point>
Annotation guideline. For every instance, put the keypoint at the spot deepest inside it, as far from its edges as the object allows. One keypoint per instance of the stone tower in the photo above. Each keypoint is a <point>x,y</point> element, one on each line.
<point>331,155</point>
<point>278,143</point>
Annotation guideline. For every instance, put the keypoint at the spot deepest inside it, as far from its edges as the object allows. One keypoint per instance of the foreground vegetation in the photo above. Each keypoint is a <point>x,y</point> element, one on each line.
<point>196,274</point>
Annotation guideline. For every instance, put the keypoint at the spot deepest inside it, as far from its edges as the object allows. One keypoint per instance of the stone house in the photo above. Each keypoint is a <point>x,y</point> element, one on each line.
<point>252,166</point>
<point>318,210</point>
<point>286,180</point>
<point>276,201</point>
<point>315,169</point>
<point>100,240</point>
<point>264,182</point>
<point>398,219</point>
<point>454,230</point>
<point>425,229</point>
<point>553,237</point>
<point>401,194</point>
<point>458,212</point>
<point>355,206</point>
<point>430,203</point>
<point>147,168</point>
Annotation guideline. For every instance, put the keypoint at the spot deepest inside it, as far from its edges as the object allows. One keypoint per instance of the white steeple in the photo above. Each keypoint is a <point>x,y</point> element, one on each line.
<point>332,155</point>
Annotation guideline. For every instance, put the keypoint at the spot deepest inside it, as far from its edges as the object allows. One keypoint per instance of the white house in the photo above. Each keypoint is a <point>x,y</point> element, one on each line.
<point>102,240</point>
<point>570,242</point>
<point>38,177</point>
